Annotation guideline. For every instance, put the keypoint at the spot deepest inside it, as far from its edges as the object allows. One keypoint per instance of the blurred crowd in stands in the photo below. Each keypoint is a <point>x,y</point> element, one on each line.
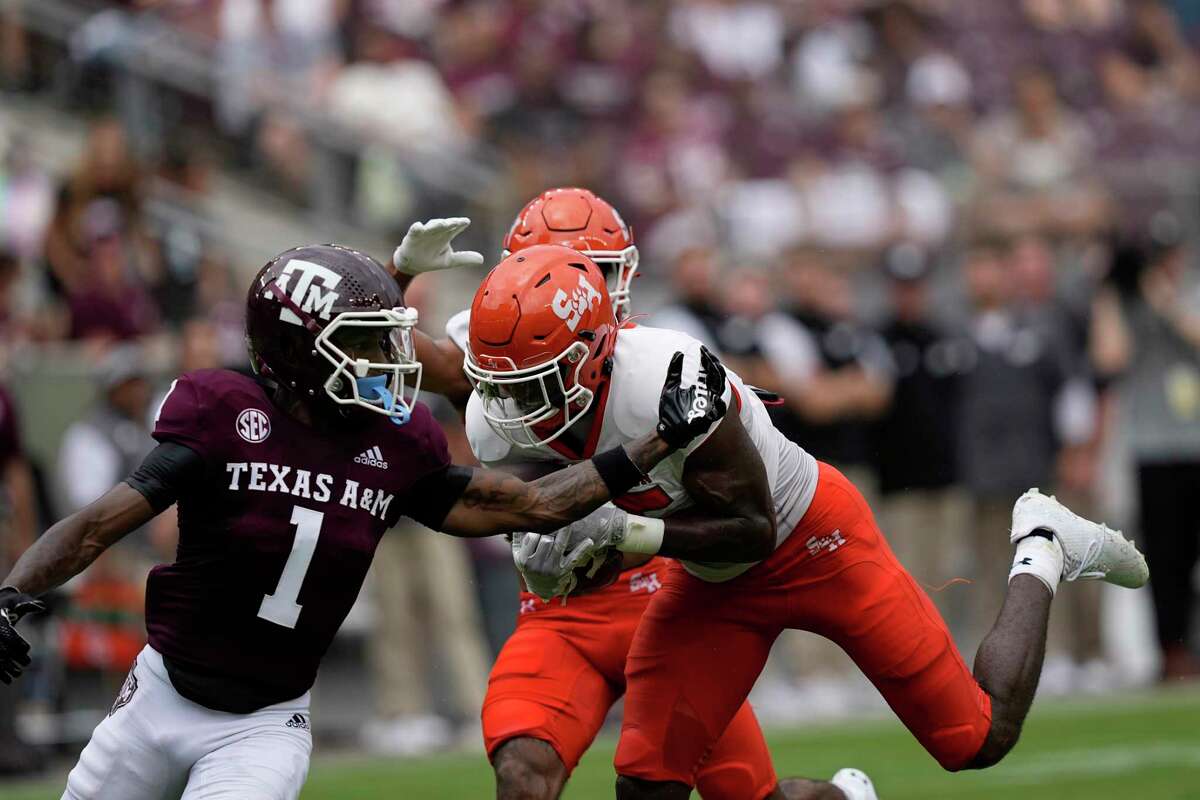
<point>956,236</point>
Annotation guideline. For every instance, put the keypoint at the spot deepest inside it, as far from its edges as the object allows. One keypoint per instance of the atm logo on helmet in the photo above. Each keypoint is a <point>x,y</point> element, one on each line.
<point>571,307</point>
<point>311,288</point>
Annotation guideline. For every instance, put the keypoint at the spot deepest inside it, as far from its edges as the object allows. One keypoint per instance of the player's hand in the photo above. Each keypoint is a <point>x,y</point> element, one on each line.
<point>605,527</point>
<point>426,247</point>
<point>547,561</point>
<point>14,650</point>
<point>685,413</point>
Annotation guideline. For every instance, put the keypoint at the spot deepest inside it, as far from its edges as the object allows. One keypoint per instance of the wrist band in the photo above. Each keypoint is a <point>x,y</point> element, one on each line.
<point>617,470</point>
<point>642,535</point>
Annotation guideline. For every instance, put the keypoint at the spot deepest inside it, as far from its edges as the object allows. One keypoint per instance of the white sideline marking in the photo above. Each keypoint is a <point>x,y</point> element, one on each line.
<point>1094,761</point>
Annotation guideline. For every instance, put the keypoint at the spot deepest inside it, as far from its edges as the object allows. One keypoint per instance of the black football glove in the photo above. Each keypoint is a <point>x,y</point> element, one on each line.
<point>14,650</point>
<point>684,414</point>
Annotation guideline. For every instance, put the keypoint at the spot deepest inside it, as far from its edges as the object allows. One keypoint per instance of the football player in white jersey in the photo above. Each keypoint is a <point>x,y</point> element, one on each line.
<point>557,676</point>
<point>764,536</point>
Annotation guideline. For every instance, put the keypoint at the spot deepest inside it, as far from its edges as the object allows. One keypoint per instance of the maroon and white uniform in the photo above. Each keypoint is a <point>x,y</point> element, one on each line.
<point>275,539</point>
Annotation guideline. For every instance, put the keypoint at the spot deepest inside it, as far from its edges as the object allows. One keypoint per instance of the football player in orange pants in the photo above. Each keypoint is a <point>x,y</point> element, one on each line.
<point>764,538</point>
<point>564,667</point>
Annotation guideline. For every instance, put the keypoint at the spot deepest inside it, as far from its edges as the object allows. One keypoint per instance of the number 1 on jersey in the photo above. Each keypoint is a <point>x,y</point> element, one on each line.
<point>280,606</point>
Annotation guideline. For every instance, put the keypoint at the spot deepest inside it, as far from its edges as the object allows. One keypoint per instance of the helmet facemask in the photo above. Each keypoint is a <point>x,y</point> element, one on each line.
<point>619,267</point>
<point>379,381</point>
<point>518,401</point>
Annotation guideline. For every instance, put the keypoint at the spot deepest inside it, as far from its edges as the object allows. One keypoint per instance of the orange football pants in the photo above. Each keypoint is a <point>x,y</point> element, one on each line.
<point>701,645</point>
<point>564,667</point>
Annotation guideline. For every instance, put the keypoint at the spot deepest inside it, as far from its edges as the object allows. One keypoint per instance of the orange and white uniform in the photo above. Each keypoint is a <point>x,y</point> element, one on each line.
<point>561,671</point>
<point>705,635</point>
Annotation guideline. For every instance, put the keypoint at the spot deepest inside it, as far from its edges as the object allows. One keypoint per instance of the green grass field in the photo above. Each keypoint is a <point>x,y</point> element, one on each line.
<point>1132,747</point>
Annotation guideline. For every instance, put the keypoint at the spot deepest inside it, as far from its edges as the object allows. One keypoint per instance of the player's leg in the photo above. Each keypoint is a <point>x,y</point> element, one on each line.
<point>859,596</point>
<point>544,705</point>
<point>264,754</point>
<point>739,766</point>
<point>696,654</point>
<point>126,757</point>
<point>528,769</point>
<point>876,612</point>
<point>1052,543</point>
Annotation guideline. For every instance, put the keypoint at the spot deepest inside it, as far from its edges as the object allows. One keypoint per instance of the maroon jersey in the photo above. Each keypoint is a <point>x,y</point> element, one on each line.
<point>276,538</point>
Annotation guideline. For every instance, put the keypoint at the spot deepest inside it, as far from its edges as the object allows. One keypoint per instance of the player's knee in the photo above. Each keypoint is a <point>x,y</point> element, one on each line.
<point>638,789</point>
<point>1001,739</point>
<point>528,769</point>
<point>736,779</point>
<point>962,749</point>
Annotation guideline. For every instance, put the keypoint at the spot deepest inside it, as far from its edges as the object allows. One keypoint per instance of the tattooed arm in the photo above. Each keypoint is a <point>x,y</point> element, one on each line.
<point>70,545</point>
<point>497,502</point>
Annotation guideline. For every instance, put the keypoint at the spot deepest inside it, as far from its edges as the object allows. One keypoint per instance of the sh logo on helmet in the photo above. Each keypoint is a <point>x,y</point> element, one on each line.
<point>571,307</point>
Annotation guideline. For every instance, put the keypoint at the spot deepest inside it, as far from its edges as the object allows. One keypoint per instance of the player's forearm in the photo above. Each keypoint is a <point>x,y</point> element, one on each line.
<point>564,496</point>
<point>698,535</point>
<point>495,502</point>
<point>442,368</point>
<point>71,544</point>
<point>62,552</point>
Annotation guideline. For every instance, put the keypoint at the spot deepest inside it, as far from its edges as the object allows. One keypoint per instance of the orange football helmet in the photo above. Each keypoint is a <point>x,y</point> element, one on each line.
<point>541,335</point>
<point>579,219</point>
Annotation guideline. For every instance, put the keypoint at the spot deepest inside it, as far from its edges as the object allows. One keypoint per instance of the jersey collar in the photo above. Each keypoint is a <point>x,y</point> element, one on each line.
<point>563,448</point>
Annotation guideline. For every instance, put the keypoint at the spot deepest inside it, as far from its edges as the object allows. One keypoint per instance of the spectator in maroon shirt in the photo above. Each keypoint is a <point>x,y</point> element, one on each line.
<point>108,302</point>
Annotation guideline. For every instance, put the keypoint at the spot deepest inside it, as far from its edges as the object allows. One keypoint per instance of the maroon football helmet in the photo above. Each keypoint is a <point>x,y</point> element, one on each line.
<point>329,324</point>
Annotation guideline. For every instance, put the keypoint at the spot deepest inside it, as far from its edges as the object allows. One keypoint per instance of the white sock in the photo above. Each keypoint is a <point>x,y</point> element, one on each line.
<point>1040,557</point>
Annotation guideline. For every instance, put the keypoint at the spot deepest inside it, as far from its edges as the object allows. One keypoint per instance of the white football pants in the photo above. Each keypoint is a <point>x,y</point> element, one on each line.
<point>157,745</point>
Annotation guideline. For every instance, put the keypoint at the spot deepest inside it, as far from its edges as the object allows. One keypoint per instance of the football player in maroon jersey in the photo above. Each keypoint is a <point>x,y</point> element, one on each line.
<point>285,484</point>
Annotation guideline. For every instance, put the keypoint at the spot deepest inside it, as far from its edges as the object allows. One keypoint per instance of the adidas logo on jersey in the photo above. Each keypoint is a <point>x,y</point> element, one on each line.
<point>298,721</point>
<point>372,458</point>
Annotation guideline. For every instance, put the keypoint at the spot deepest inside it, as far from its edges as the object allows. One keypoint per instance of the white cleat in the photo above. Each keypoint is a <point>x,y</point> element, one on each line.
<point>1091,551</point>
<point>854,783</point>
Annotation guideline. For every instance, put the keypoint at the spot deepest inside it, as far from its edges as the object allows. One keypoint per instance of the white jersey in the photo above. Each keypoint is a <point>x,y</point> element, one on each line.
<point>458,329</point>
<point>630,410</point>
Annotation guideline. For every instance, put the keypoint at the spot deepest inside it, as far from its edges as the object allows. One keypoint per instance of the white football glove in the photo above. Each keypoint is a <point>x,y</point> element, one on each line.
<point>604,527</point>
<point>426,247</point>
<point>547,561</point>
